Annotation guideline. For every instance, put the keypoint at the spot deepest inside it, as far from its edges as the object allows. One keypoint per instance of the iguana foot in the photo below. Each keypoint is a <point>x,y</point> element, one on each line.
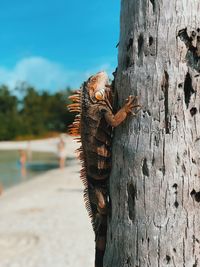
<point>131,104</point>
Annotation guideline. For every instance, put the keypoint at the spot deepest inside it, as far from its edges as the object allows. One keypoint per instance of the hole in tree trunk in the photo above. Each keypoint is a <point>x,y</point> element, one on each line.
<point>127,61</point>
<point>195,239</point>
<point>192,193</point>
<point>180,85</point>
<point>130,44</point>
<point>128,260</point>
<point>150,41</point>
<point>168,259</point>
<point>188,89</point>
<point>176,204</point>
<point>183,35</point>
<point>140,44</point>
<point>131,201</point>
<point>153,5</point>
<point>194,161</point>
<point>165,89</point>
<point>195,195</point>
<point>175,186</point>
<point>193,111</point>
<point>178,160</point>
<point>145,168</point>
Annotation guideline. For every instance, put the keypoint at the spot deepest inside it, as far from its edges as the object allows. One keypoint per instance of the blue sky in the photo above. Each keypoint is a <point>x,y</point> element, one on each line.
<point>52,44</point>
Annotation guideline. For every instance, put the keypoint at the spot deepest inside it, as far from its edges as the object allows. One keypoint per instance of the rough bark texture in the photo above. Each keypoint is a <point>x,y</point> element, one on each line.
<point>155,180</point>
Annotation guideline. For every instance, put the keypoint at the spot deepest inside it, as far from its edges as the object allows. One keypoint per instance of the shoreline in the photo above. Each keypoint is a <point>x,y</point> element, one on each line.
<point>51,224</point>
<point>49,145</point>
<point>42,178</point>
<point>4,187</point>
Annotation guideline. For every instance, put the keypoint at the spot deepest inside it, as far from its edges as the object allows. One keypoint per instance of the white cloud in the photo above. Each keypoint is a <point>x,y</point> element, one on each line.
<point>36,71</point>
<point>45,74</point>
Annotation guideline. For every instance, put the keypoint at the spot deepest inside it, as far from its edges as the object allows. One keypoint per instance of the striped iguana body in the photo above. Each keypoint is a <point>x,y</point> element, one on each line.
<point>94,123</point>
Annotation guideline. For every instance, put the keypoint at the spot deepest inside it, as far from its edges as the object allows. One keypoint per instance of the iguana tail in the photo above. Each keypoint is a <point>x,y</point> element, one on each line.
<point>101,242</point>
<point>99,208</point>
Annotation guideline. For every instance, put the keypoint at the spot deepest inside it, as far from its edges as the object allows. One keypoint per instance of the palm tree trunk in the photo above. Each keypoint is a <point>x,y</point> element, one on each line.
<point>155,180</point>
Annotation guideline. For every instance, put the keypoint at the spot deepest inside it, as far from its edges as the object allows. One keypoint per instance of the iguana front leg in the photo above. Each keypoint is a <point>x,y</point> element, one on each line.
<point>121,115</point>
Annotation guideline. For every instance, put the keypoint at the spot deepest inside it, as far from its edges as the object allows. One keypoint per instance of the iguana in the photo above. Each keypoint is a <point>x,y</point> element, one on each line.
<point>94,123</point>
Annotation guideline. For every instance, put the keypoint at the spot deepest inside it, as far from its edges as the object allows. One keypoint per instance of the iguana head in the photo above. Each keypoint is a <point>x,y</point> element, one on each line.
<point>98,85</point>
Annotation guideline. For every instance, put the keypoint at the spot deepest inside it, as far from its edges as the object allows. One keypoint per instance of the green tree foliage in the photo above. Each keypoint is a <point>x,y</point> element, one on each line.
<point>9,118</point>
<point>33,115</point>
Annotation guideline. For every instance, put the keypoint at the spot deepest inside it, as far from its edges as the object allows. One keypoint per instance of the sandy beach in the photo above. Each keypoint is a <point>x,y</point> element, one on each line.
<point>43,222</point>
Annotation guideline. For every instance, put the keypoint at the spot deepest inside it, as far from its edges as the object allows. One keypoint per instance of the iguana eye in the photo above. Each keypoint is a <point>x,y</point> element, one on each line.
<point>94,79</point>
<point>99,95</point>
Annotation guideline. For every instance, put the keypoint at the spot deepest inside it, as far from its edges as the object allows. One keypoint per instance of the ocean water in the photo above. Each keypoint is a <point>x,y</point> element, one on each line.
<point>37,163</point>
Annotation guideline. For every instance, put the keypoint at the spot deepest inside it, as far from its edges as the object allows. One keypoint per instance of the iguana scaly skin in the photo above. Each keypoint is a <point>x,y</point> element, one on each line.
<point>94,123</point>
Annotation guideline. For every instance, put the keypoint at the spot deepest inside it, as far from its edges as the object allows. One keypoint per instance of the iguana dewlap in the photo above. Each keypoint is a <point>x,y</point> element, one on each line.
<point>94,123</point>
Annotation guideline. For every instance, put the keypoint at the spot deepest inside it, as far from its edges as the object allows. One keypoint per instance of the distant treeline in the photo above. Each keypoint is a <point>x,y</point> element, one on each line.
<point>33,113</point>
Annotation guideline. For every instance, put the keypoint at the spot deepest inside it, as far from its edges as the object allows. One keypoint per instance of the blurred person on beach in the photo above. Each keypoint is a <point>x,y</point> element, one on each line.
<point>61,153</point>
<point>1,189</point>
<point>22,162</point>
